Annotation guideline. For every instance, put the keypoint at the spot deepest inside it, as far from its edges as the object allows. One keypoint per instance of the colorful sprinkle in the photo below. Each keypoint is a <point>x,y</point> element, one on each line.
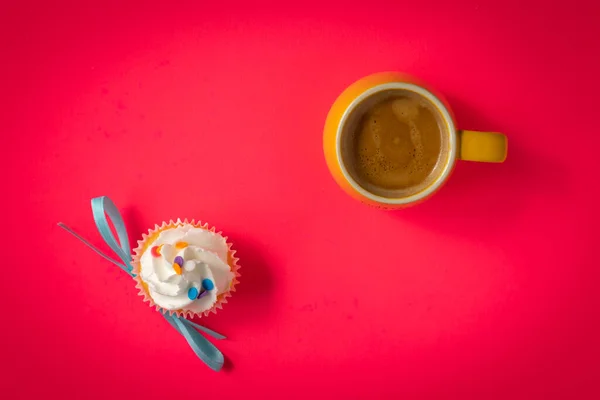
<point>208,284</point>
<point>204,293</point>
<point>179,261</point>
<point>192,293</point>
<point>177,268</point>
<point>181,245</point>
<point>189,265</point>
<point>155,250</point>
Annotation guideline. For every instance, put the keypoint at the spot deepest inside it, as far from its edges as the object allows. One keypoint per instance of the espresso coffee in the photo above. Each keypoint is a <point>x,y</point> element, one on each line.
<point>396,145</point>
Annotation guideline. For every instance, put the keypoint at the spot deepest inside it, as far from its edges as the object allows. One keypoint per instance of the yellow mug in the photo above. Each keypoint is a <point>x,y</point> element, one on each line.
<point>341,121</point>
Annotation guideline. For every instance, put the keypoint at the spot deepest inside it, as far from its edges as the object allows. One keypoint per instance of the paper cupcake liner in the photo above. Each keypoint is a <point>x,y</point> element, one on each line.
<point>144,244</point>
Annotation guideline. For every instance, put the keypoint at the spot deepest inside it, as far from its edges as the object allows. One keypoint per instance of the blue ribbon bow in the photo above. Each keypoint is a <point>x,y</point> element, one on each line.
<point>103,207</point>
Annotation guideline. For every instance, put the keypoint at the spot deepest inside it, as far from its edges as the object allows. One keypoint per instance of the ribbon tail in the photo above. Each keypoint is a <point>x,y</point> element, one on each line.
<point>94,248</point>
<point>204,329</point>
<point>204,349</point>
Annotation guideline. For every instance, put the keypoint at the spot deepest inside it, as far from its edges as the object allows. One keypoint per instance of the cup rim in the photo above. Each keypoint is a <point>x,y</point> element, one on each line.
<point>451,133</point>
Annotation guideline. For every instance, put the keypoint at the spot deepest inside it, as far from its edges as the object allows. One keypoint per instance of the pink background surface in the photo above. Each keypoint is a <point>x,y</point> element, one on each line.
<point>488,290</point>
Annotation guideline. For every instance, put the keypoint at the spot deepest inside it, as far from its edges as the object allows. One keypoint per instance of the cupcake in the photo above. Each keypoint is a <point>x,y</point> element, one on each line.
<point>185,268</point>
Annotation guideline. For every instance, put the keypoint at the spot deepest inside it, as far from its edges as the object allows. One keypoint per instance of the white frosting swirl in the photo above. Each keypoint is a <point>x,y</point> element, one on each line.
<point>204,257</point>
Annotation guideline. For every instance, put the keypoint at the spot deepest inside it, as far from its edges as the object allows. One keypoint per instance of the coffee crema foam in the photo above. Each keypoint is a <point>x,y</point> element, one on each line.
<point>397,143</point>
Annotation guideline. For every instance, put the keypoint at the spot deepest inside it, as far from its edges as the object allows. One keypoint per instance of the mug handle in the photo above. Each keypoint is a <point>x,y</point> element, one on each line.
<point>482,146</point>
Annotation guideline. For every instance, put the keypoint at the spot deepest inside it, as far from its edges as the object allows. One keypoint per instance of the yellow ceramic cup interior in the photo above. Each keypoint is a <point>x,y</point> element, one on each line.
<point>463,145</point>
